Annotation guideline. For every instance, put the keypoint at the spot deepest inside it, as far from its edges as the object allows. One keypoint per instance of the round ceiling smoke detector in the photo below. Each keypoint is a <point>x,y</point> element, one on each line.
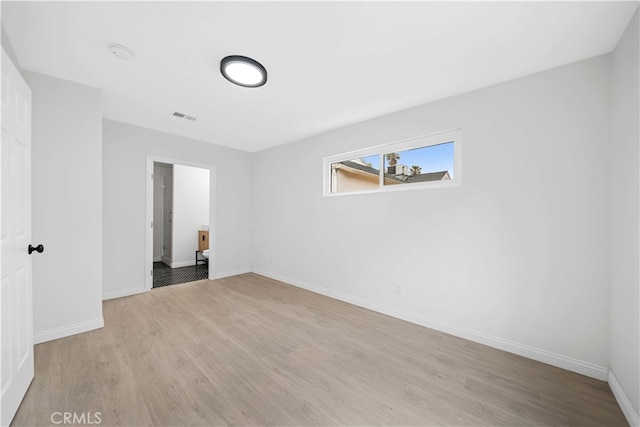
<point>121,52</point>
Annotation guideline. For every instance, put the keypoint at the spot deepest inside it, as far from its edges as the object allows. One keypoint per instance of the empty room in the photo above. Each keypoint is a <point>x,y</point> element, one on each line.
<point>335,213</point>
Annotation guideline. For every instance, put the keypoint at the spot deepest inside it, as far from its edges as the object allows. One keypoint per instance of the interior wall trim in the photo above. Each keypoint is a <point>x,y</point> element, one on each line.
<point>123,293</point>
<point>230,273</point>
<point>623,400</point>
<point>65,331</point>
<point>179,264</point>
<point>136,291</point>
<point>541,355</point>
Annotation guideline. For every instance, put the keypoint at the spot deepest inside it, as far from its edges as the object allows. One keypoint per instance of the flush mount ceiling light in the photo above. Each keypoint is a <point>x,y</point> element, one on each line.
<point>120,51</point>
<point>243,71</point>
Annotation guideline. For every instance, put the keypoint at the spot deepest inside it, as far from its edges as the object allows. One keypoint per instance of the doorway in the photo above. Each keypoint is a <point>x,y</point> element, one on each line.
<point>162,212</point>
<point>181,211</point>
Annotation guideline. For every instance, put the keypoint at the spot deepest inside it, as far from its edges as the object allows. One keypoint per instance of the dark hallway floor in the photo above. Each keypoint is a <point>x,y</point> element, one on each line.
<point>163,275</point>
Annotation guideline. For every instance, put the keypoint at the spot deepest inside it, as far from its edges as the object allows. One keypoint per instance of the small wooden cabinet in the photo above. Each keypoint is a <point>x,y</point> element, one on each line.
<point>203,240</point>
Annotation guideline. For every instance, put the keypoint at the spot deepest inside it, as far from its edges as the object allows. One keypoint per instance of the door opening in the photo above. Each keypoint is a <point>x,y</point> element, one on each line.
<point>181,214</point>
<point>162,212</point>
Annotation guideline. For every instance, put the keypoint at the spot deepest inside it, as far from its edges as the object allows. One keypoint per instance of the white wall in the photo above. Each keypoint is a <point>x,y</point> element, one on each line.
<point>625,231</point>
<point>190,211</point>
<point>125,148</point>
<point>516,257</point>
<point>67,206</point>
<point>8,47</point>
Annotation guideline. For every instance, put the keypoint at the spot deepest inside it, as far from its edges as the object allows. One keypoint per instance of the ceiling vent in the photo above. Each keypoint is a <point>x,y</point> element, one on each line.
<point>184,116</point>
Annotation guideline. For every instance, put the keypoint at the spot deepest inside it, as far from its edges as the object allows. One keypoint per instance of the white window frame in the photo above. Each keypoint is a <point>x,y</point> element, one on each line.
<point>395,147</point>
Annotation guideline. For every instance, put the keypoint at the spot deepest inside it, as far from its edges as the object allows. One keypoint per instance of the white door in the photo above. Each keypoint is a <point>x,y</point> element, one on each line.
<point>168,215</point>
<point>158,206</point>
<point>16,307</point>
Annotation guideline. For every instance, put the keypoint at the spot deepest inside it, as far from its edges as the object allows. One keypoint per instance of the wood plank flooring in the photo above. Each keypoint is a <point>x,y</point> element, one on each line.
<point>248,350</point>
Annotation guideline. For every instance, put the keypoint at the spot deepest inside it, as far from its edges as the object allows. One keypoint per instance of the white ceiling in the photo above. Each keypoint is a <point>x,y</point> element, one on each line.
<point>329,63</point>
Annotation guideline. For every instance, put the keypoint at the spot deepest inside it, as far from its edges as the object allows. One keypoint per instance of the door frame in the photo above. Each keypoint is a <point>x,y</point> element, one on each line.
<point>149,213</point>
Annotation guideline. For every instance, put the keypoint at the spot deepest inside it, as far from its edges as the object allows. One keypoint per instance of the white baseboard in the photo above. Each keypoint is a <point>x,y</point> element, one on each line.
<point>122,293</point>
<point>232,273</point>
<point>136,291</point>
<point>165,259</point>
<point>158,259</point>
<point>317,289</point>
<point>65,331</point>
<point>565,362</point>
<point>623,400</point>
<point>179,264</point>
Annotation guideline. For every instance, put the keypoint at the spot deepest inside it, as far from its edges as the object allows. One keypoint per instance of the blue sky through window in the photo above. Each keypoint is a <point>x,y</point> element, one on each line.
<point>434,158</point>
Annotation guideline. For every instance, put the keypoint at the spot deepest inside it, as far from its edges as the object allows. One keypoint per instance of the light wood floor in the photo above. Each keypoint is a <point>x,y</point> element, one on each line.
<point>248,350</point>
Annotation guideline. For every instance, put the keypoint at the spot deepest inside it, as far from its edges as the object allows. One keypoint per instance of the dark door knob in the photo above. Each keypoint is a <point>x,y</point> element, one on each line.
<point>38,249</point>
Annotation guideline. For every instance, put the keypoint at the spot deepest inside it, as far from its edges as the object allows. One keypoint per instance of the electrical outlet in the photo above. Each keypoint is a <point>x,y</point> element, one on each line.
<point>398,290</point>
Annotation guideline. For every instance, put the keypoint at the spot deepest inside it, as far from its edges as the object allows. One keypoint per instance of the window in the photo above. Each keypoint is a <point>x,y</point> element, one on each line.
<point>418,163</point>
<point>355,174</point>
